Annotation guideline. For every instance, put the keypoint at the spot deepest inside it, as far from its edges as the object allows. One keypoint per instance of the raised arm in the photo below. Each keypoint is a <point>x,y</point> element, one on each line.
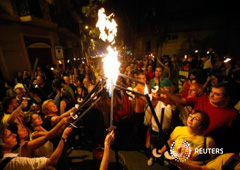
<point>108,140</point>
<point>58,151</point>
<point>172,97</point>
<point>56,119</point>
<point>159,61</point>
<point>66,114</point>
<point>28,148</point>
<point>63,106</point>
<point>206,83</point>
<point>17,111</point>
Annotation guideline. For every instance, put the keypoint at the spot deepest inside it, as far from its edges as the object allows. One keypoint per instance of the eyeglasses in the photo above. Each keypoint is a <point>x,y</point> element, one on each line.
<point>194,118</point>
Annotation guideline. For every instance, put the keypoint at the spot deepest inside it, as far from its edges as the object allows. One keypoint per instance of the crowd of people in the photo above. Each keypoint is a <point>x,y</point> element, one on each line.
<point>201,108</point>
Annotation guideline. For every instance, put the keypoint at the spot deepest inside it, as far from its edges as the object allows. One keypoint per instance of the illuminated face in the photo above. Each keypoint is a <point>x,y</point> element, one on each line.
<point>22,132</point>
<point>193,91</point>
<point>194,120</point>
<point>52,108</point>
<point>13,104</point>
<point>19,93</point>
<point>216,96</point>
<point>158,72</point>
<point>142,78</point>
<point>9,139</point>
<point>36,120</point>
<point>86,82</point>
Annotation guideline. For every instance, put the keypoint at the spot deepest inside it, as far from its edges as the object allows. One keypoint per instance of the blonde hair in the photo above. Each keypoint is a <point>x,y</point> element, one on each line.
<point>45,104</point>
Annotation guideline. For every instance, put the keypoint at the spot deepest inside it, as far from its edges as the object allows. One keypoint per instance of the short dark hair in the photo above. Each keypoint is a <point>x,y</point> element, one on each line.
<point>228,89</point>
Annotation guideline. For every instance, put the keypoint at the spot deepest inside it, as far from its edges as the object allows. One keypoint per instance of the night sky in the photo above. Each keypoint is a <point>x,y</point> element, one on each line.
<point>136,17</point>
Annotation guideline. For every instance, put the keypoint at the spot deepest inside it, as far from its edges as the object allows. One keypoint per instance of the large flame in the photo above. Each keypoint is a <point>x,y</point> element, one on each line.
<point>107,26</point>
<point>108,30</point>
<point>111,67</point>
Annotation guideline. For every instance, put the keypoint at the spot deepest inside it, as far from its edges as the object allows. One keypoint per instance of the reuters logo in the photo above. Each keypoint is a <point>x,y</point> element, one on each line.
<point>180,150</point>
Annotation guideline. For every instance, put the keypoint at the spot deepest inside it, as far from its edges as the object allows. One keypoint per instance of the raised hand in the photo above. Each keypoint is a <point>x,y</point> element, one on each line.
<point>109,139</point>
<point>24,104</point>
<point>67,132</point>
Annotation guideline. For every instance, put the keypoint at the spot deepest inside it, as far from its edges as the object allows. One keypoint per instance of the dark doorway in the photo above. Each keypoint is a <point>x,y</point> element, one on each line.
<point>44,56</point>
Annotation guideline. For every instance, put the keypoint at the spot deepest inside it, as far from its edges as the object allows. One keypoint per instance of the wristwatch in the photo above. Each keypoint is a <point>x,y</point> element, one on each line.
<point>64,139</point>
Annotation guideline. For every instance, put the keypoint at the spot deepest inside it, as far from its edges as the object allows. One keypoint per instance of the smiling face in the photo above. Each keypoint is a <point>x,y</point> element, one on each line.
<point>194,120</point>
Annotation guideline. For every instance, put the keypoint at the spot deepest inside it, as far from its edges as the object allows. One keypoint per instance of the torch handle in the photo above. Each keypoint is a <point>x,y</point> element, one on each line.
<point>93,90</point>
<point>86,102</point>
<point>74,124</point>
<point>128,77</point>
<point>125,89</point>
<point>157,122</point>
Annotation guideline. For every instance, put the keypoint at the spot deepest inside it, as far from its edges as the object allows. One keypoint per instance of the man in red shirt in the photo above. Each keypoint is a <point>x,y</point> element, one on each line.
<point>224,120</point>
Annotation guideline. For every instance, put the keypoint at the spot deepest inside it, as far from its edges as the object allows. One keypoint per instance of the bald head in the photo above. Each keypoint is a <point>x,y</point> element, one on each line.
<point>195,90</point>
<point>67,80</point>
